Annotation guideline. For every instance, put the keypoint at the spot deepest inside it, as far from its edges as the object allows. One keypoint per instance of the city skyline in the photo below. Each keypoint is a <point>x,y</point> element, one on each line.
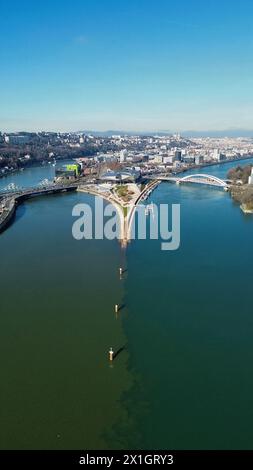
<point>136,66</point>
<point>219,134</point>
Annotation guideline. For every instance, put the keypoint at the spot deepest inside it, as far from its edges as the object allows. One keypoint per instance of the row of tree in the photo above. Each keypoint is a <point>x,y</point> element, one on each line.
<point>240,173</point>
<point>14,156</point>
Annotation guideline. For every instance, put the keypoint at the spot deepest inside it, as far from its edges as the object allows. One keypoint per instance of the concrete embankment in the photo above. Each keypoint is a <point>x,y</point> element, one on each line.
<point>8,214</point>
<point>130,217</point>
<point>110,199</point>
<point>243,195</point>
<point>126,219</point>
<point>246,209</point>
<point>10,202</point>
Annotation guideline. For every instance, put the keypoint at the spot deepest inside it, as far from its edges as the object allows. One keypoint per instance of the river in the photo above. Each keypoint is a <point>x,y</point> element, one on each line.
<point>183,377</point>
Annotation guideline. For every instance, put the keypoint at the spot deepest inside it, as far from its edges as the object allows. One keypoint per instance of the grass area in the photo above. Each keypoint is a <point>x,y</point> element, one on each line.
<point>243,194</point>
<point>121,190</point>
<point>124,211</point>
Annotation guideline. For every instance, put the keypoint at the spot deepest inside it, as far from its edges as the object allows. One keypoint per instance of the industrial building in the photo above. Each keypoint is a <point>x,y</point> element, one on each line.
<point>68,171</point>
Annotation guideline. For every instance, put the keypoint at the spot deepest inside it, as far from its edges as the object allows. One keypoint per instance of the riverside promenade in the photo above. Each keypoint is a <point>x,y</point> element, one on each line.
<point>126,211</point>
<point>109,197</point>
<point>9,201</point>
<point>7,211</point>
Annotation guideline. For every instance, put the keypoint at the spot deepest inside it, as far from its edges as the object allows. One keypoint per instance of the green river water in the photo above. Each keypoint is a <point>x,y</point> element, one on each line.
<point>183,378</point>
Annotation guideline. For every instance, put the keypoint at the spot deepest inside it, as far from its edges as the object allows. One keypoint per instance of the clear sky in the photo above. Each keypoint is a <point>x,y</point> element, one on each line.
<point>132,64</point>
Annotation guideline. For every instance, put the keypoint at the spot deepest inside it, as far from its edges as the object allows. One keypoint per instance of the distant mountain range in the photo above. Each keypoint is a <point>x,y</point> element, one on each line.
<point>222,133</point>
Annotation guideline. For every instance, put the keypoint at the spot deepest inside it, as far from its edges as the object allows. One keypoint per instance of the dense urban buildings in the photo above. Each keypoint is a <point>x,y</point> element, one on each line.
<point>96,153</point>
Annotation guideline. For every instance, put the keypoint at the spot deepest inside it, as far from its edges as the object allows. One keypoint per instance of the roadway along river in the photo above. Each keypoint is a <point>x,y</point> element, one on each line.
<point>184,379</point>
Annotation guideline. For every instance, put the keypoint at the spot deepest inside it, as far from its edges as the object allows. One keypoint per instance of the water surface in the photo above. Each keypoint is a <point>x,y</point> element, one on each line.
<point>184,376</point>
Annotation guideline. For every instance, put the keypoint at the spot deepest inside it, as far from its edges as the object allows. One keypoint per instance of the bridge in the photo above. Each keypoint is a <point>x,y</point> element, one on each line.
<point>43,188</point>
<point>12,196</point>
<point>197,178</point>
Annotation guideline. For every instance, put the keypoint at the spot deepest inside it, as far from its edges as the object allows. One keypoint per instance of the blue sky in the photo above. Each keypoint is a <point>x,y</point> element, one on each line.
<point>133,65</point>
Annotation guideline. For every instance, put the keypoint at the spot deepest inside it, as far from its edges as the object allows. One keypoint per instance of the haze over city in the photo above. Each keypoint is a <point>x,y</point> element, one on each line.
<point>126,65</point>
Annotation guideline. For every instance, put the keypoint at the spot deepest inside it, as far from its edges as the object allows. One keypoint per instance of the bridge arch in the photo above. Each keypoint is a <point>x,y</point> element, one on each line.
<point>202,176</point>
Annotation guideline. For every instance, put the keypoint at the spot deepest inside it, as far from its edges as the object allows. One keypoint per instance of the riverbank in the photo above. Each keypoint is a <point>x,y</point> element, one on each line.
<point>240,188</point>
<point>246,209</point>
<point>107,196</point>
<point>213,164</point>
<point>8,213</point>
<point>10,203</point>
<point>244,196</point>
<point>125,209</point>
<point>42,164</point>
<point>185,355</point>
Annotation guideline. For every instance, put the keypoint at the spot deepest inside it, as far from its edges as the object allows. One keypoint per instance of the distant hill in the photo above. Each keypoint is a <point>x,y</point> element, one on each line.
<point>221,133</point>
<point>224,133</point>
<point>121,132</point>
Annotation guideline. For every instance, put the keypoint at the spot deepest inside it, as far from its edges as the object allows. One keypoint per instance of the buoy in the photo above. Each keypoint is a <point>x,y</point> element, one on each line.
<point>111,353</point>
<point>116,308</point>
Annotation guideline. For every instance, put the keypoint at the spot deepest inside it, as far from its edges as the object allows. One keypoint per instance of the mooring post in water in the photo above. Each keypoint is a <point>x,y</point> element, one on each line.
<point>116,308</point>
<point>111,354</point>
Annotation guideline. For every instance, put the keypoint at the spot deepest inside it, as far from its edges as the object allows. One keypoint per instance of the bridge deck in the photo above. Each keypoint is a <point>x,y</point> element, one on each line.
<point>194,179</point>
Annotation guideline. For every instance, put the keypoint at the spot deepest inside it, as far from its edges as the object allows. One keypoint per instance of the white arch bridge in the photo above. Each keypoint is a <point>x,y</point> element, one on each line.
<point>197,178</point>
<point>202,178</point>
